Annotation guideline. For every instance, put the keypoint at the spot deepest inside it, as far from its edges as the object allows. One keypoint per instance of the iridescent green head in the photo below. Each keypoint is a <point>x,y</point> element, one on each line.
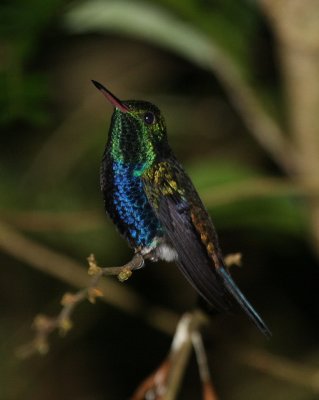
<point>137,133</point>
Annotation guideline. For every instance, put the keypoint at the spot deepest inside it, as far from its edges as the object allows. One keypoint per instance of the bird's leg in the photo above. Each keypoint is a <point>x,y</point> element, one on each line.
<point>151,256</point>
<point>149,252</point>
<point>123,272</point>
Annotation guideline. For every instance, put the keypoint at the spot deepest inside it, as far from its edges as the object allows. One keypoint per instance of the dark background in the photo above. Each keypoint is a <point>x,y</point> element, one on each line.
<point>53,129</point>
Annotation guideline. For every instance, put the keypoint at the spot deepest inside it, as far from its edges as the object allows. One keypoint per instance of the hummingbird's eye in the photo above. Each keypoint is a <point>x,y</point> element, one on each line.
<point>149,118</point>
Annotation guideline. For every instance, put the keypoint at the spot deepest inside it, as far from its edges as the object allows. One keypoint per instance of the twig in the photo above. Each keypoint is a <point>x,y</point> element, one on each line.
<point>46,260</point>
<point>262,126</point>
<point>181,350</point>
<point>62,267</point>
<point>208,389</point>
<point>123,272</point>
<point>296,31</point>
<point>263,187</point>
<point>282,368</point>
<point>45,325</point>
<point>233,259</point>
<point>52,221</point>
<point>204,51</point>
<point>153,386</point>
<point>165,382</point>
<point>188,326</point>
<point>58,265</point>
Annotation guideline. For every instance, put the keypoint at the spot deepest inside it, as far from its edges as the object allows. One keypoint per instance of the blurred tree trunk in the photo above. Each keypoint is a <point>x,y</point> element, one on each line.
<point>296,26</point>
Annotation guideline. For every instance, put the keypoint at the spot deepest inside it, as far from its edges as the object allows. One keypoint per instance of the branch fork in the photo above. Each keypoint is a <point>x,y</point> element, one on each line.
<point>164,383</point>
<point>45,325</point>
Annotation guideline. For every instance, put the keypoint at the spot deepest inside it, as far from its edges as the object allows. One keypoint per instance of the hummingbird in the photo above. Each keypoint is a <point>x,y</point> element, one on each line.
<point>156,208</point>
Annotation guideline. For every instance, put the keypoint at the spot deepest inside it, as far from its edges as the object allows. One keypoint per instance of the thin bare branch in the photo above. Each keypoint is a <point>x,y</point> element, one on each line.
<point>261,125</point>
<point>64,268</point>
<point>296,29</point>
<point>201,49</point>
<point>213,196</point>
<point>201,357</point>
<point>257,188</point>
<point>57,265</point>
<point>165,382</point>
<point>54,221</point>
<point>233,259</point>
<point>282,368</point>
<point>154,385</point>
<point>209,392</point>
<point>45,325</point>
<point>123,272</point>
<point>180,351</point>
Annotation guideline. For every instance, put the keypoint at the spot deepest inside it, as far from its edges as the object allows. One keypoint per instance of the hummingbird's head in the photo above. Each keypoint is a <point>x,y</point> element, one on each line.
<point>137,133</point>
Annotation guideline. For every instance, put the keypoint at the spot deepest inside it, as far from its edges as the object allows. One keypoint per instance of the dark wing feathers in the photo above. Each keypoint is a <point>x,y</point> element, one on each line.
<point>192,260</point>
<point>191,232</point>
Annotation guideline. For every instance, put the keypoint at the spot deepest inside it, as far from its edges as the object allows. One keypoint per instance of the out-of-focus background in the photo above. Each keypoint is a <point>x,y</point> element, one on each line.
<point>237,82</point>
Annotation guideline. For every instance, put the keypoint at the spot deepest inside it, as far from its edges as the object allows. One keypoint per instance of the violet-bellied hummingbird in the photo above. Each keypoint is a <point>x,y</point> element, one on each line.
<point>155,206</point>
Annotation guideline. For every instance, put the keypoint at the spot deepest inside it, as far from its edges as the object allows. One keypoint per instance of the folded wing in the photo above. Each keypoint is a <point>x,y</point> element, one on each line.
<point>188,227</point>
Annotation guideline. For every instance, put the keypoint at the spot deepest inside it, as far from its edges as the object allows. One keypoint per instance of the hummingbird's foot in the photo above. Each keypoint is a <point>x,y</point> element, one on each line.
<point>151,256</point>
<point>126,270</point>
<point>149,252</point>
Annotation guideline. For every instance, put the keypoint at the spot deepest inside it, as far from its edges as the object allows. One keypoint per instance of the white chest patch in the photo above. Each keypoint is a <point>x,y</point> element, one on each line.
<point>166,252</point>
<point>160,250</point>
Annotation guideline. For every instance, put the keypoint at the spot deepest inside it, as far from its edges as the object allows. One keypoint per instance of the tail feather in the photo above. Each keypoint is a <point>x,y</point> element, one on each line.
<point>242,301</point>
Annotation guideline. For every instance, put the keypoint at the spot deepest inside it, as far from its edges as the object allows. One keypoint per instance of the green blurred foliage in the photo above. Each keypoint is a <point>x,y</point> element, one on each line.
<point>231,24</point>
<point>53,126</point>
<point>23,91</point>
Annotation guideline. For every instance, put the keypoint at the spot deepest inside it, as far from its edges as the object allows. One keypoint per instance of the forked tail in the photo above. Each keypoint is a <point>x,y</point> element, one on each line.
<point>242,301</point>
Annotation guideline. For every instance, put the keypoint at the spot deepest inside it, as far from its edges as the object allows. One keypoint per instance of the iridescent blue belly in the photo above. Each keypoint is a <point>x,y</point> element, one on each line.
<point>127,204</point>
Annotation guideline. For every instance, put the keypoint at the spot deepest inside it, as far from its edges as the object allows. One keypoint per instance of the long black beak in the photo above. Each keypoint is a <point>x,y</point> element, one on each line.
<point>110,97</point>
